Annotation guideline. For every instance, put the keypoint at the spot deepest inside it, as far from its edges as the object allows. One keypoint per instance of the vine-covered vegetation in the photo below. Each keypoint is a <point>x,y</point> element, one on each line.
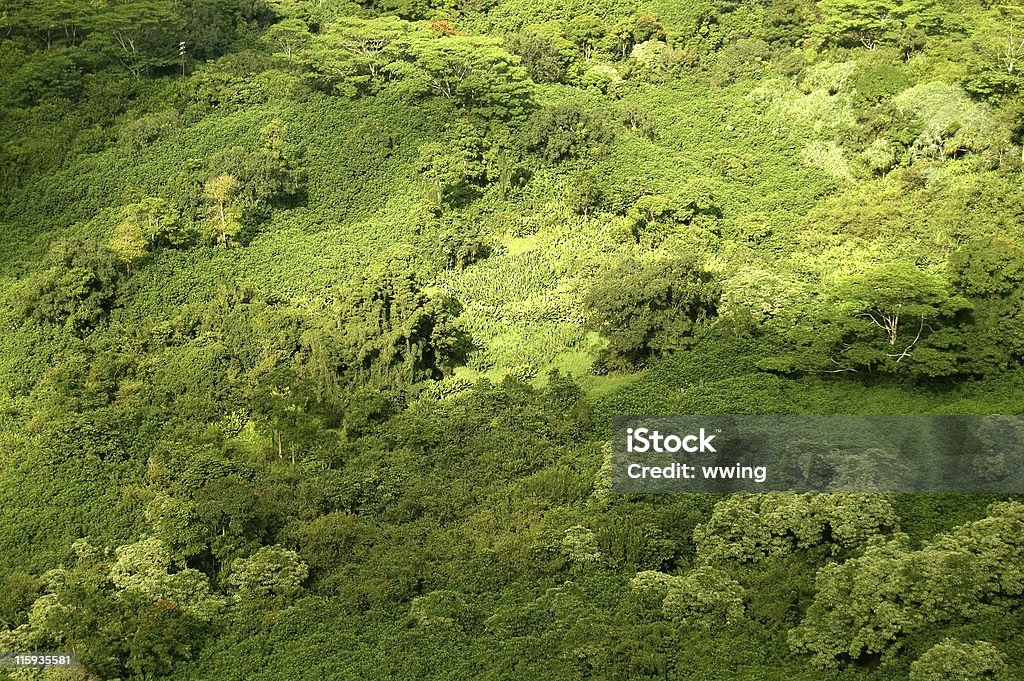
<point>314,316</point>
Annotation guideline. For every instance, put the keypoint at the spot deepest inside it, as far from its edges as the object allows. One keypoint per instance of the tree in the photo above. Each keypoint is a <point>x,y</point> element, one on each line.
<point>586,31</point>
<point>1008,51</point>
<point>286,408</point>
<point>901,302</point>
<point>128,242</point>
<point>580,545</point>
<point>265,178</point>
<point>545,54</point>
<point>472,72</point>
<point>210,26</point>
<point>786,22</point>
<point>879,22</point>
<point>866,604</point>
<point>892,319</point>
<point>327,542</point>
<point>584,193</point>
<point>148,568</point>
<point>988,266</point>
<point>360,54</point>
<point>147,224</point>
<point>51,23</point>
<point>289,36</point>
<point>953,125</point>
<point>233,518</point>
<point>953,660</point>
<point>133,615</point>
<point>648,28</point>
<point>393,333</point>
<point>160,223</point>
<point>140,36</point>
<point>640,121</point>
<point>704,597</point>
<point>77,290</point>
<point>475,73</point>
<point>443,608</point>
<point>618,40</point>
<point>655,217</point>
<point>221,193</point>
<point>18,592</point>
<point>1001,451</point>
<point>568,131</point>
<point>271,575</point>
<point>999,46</point>
<point>206,511</point>
<point>454,172</point>
<point>646,311</point>
<point>752,528</point>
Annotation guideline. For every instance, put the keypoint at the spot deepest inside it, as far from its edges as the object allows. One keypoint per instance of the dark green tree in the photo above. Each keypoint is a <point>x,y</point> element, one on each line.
<point>140,36</point>
<point>394,333</point>
<point>568,131</point>
<point>646,311</point>
<point>77,290</point>
<point>544,52</point>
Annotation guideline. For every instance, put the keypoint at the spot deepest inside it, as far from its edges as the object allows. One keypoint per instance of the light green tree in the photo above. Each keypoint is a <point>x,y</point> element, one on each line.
<point>953,660</point>
<point>473,72</point>
<point>157,220</point>
<point>892,318</point>
<point>580,545</point>
<point>998,53</point>
<point>750,528</point>
<point>360,55</point>
<point>872,23</point>
<point>443,608</point>
<point>147,567</point>
<point>704,597</point>
<point>272,574</point>
<point>128,242</point>
<point>289,36</point>
<point>129,615</point>
<point>901,302</point>
<point>220,193</point>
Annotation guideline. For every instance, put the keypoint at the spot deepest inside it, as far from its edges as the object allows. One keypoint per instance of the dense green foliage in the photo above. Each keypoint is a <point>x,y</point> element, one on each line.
<point>315,314</point>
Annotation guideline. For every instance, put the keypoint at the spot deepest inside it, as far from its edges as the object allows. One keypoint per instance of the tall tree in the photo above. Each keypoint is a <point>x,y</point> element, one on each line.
<point>140,36</point>
<point>873,23</point>
<point>220,193</point>
<point>474,72</point>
